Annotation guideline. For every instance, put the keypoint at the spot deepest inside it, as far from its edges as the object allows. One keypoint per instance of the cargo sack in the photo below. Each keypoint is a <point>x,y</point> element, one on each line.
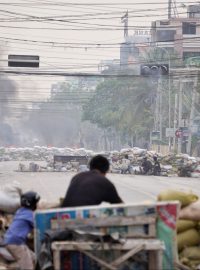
<point>10,197</point>
<point>191,212</point>
<point>191,253</point>
<point>192,264</point>
<point>188,238</point>
<point>44,204</point>
<point>184,225</point>
<point>174,195</point>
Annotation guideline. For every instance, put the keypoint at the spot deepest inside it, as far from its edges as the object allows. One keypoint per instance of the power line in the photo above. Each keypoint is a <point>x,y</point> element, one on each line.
<point>107,45</point>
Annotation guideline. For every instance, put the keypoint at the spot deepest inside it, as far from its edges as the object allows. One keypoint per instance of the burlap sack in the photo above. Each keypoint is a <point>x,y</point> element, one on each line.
<point>174,195</point>
<point>184,225</point>
<point>191,212</point>
<point>188,238</point>
<point>191,253</point>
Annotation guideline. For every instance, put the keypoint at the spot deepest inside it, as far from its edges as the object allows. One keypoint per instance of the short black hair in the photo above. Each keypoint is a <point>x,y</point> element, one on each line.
<point>99,163</point>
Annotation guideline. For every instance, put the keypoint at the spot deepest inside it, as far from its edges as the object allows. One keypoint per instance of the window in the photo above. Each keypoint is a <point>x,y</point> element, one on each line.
<point>189,28</point>
<point>190,54</point>
<point>165,35</point>
<point>164,22</point>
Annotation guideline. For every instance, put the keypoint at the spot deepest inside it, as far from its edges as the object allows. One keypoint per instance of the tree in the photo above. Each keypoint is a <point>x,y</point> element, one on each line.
<point>123,104</point>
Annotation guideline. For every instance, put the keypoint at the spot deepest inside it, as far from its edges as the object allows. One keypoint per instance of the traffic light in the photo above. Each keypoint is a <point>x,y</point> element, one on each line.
<point>154,70</point>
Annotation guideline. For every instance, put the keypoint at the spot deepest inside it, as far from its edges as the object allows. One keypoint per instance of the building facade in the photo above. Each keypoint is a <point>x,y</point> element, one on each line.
<point>180,36</point>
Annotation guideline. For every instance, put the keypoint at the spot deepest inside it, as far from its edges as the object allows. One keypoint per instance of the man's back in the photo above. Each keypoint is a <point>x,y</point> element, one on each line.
<point>90,188</point>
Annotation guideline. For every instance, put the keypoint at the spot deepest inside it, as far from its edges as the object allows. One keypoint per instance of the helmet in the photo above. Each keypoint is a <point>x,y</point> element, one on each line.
<point>155,158</point>
<point>30,199</point>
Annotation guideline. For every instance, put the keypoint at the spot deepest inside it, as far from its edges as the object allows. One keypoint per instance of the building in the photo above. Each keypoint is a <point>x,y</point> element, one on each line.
<point>180,35</point>
<point>109,65</point>
<point>133,47</point>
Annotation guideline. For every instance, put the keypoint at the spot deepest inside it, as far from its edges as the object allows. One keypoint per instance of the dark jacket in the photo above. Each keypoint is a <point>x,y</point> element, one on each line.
<point>90,188</point>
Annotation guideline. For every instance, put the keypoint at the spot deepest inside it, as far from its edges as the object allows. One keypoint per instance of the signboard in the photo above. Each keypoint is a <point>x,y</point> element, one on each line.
<point>155,135</point>
<point>185,131</point>
<point>178,133</point>
<point>140,32</point>
<point>23,60</point>
<point>193,61</point>
<point>169,132</point>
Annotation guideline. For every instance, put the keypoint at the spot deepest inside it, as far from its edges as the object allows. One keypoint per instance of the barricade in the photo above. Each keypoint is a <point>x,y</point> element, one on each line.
<point>145,236</point>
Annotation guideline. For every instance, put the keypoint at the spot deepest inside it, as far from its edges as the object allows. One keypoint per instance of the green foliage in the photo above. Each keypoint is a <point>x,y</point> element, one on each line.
<point>124,104</point>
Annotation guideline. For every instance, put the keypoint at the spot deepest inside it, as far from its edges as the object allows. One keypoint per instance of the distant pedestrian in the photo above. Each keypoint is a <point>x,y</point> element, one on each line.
<point>16,236</point>
<point>92,187</point>
<point>146,166</point>
<point>125,165</point>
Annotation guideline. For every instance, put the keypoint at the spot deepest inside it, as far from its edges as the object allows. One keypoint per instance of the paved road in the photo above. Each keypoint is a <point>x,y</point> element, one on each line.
<point>132,188</point>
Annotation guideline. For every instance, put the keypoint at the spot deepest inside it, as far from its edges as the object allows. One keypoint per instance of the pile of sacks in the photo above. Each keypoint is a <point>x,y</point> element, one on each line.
<point>135,156</point>
<point>51,167</point>
<point>169,163</point>
<point>39,153</point>
<point>188,226</point>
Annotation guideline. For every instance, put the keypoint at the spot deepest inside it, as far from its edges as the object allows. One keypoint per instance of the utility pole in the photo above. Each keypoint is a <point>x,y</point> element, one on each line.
<point>169,9</point>
<point>160,109</point>
<point>192,116</point>
<point>175,120</point>
<point>124,19</point>
<point>180,106</point>
<point>169,111</point>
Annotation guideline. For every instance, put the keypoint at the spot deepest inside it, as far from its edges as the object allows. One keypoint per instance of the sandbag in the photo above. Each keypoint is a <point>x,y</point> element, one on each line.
<point>191,212</point>
<point>10,197</point>
<point>191,253</point>
<point>192,264</point>
<point>184,224</point>
<point>44,204</point>
<point>174,195</point>
<point>188,238</point>
<point>13,189</point>
<point>8,204</point>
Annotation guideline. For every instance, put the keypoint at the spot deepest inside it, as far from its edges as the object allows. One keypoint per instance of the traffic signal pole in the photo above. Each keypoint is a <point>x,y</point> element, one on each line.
<point>160,109</point>
<point>194,91</point>
<point>175,121</point>
<point>180,108</point>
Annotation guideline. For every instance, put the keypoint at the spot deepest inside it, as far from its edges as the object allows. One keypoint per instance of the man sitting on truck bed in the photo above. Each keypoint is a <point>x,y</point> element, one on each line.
<point>92,187</point>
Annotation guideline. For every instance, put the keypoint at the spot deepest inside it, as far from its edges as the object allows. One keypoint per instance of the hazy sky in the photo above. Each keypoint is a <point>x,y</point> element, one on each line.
<point>72,35</point>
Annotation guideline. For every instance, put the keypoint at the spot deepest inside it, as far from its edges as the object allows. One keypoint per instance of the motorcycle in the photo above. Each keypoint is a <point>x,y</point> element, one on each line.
<point>185,170</point>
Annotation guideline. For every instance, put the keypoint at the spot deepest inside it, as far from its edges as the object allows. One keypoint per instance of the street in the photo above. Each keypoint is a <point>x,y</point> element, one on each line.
<point>132,188</point>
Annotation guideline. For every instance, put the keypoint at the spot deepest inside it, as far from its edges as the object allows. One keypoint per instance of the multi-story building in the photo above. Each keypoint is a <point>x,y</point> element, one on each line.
<point>131,50</point>
<point>133,47</point>
<point>180,35</point>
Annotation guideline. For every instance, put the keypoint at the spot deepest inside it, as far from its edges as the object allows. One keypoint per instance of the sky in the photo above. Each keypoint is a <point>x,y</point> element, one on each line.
<point>71,36</point>
<point>74,35</point>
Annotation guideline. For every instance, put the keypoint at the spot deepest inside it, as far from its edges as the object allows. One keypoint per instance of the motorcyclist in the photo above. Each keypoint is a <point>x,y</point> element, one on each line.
<point>16,236</point>
<point>146,166</point>
<point>156,166</point>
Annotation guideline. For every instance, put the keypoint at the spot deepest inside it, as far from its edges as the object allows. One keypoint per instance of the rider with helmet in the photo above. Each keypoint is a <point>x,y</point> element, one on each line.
<point>16,235</point>
<point>156,166</point>
<point>146,166</point>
